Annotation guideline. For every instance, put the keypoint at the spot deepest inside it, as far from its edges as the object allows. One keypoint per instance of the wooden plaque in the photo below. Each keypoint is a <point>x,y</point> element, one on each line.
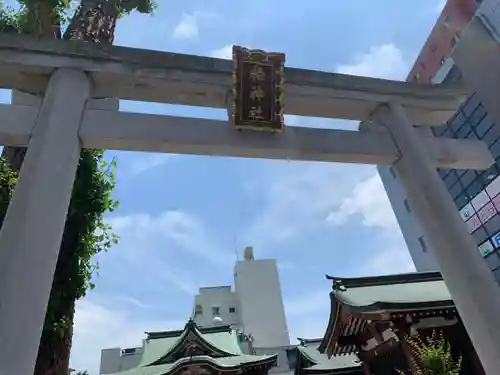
<point>258,90</point>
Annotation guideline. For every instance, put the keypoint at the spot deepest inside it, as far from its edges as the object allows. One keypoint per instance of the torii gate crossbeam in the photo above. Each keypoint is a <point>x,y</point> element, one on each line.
<point>70,74</point>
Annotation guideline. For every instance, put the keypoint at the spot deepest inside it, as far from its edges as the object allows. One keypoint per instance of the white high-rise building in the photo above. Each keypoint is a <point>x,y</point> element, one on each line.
<point>254,307</point>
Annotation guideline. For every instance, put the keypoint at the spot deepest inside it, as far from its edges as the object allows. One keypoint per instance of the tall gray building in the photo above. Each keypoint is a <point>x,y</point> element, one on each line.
<point>476,193</point>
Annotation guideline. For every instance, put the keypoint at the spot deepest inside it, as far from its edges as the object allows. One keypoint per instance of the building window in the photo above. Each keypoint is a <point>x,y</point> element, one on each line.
<point>407,205</point>
<point>393,172</point>
<point>215,310</point>
<point>422,244</point>
<point>198,310</point>
<point>434,48</point>
<point>416,78</point>
<point>232,310</point>
<point>493,260</point>
<point>446,21</point>
<point>455,39</point>
<point>442,61</point>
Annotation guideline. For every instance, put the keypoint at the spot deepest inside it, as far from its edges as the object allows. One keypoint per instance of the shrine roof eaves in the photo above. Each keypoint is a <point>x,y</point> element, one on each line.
<point>392,292</point>
<point>221,364</point>
<point>322,364</point>
<point>176,333</point>
<point>401,278</point>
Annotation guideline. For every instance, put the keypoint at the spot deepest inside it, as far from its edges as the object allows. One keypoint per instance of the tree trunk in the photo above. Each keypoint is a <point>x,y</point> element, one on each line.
<point>94,22</point>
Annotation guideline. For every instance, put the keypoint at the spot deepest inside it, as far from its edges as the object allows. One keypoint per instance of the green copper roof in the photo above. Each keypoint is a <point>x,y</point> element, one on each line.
<point>411,290</point>
<point>216,347</point>
<point>222,363</point>
<point>321,363</point>
<point>160,344</point>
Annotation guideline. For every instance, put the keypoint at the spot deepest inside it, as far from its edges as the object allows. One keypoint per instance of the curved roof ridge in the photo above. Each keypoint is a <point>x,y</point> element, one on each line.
<point>203,330</point>
<point>203,336</point>
<point>220,364</point>
<point>305,341</point>
<point>245,359</point>
<point>403,278</point>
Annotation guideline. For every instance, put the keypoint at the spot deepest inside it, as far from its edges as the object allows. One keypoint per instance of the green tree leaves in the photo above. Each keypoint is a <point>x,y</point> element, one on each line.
<point>432,355</point>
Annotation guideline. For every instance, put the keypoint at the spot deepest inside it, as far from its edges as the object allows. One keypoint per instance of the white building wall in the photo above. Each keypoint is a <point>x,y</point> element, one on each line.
<point>211,300</point>
<point>258,289</point>
<point>114,360</point>
<point>420,250</point>
<point>490,11</point>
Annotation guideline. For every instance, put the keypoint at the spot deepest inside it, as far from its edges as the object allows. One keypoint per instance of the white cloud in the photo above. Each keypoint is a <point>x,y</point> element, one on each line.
<point>299,198</point>
<point>98,327</point>
<point>187,28</point>
<point>151,261</point>
<point>307,196</point>
<point>368,199</point>
<point>383,61</point>
<point>180,228</point>
<point>143,162</point>
<point>225,52</point>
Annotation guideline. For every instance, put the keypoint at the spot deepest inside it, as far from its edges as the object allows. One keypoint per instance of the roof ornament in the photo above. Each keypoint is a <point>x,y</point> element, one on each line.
<point>338,285</point>
<point>217,320</point>
<point>248,253</point>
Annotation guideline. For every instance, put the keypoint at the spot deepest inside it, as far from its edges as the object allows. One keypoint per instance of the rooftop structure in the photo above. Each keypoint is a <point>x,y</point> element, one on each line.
<point>309,361</point>
<point>255,306</point>
<point>196,350</point>
<point>372,316</point>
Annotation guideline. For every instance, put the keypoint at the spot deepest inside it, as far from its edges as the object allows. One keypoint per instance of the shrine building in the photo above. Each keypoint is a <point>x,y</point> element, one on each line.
<point>373,316</point>
<point>217,350</point>
<point>305,359</point>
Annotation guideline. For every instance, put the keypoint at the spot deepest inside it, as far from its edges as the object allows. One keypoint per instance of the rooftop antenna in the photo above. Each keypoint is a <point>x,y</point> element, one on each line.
<point>236,247</point>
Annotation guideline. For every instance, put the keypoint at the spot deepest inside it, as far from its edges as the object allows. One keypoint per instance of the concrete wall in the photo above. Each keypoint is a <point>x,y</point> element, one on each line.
<point>419,249</point>
<point>456,15</point>
<point>258,289</point>
<point>431,66</point>
<point>212,298</point>
<point>490,10</point>
<point>283,366</point>
<point>114,360</point>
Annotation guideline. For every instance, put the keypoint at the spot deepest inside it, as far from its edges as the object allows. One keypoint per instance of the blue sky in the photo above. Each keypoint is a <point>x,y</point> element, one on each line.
<point>182,219</point>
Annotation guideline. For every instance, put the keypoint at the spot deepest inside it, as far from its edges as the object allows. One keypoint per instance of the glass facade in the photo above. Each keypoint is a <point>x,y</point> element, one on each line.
<point>476,193</point>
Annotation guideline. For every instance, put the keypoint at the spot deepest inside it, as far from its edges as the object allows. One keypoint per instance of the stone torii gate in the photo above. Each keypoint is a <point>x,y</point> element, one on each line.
<point>72,76</point>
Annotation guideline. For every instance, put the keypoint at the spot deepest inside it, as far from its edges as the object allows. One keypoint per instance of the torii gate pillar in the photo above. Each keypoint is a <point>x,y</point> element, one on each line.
<point>465,273</point>
<point>31,233</point>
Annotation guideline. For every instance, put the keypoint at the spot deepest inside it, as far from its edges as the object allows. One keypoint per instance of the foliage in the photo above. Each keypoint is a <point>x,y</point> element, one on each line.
<point>432,355</point>
<point>85,234</point>
<point>8,179</point>
<point>90,200</point>
<point>9,19</point>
